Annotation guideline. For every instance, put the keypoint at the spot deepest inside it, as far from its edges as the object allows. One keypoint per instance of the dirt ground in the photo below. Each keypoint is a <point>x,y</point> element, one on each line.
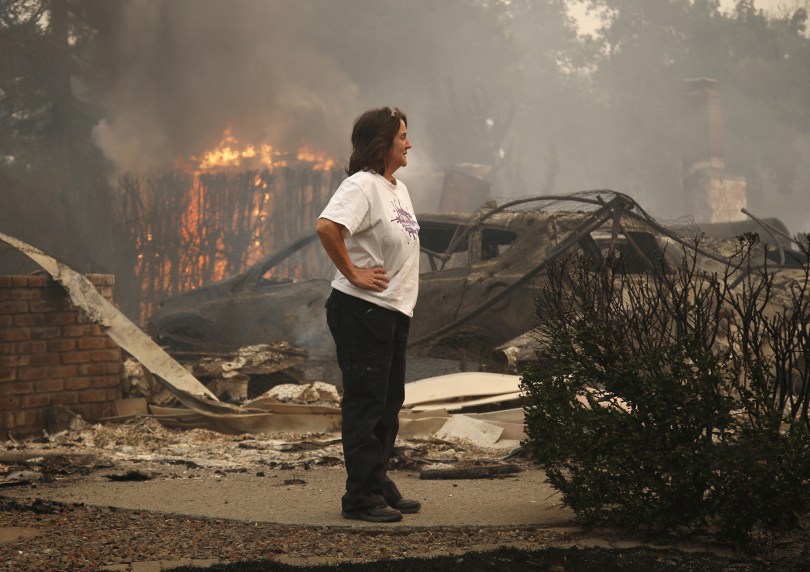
<point>143,498</point>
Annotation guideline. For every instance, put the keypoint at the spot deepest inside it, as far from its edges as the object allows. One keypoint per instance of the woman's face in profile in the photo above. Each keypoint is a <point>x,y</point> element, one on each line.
<point>398,154</point>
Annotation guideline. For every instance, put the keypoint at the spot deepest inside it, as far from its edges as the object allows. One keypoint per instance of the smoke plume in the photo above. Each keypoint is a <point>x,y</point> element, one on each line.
<point>193,69</point>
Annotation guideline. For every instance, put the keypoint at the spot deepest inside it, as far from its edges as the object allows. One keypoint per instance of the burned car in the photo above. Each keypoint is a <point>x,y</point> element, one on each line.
<point>265,304</point>
<point>483,271</point>
<point>480,275</point>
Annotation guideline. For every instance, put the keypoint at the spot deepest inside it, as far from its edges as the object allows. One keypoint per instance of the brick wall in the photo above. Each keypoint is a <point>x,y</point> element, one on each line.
<point>50,354</point>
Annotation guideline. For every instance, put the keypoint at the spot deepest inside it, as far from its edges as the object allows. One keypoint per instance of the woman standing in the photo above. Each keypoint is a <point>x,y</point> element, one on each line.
<point>370,232</point>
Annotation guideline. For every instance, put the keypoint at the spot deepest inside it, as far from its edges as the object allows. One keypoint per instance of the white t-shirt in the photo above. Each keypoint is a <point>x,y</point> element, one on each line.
<point>380,230</point>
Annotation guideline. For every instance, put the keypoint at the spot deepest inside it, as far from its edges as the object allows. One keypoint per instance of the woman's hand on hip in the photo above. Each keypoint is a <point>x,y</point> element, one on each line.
<point>371,278</point>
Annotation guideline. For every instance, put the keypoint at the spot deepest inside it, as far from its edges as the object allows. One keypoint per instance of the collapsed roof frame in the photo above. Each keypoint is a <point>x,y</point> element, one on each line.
<point>613,210</point>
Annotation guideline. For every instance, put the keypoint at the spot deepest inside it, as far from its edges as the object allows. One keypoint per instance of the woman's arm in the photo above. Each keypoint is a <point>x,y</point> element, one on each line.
<point>331,235</point>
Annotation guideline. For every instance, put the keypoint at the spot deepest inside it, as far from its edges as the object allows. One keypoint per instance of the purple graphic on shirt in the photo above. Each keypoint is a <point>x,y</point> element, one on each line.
<point>405,219</point>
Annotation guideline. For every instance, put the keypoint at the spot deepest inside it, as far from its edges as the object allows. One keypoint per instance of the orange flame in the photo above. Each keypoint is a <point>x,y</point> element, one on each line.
<point>230,153</point>
<point>320,162</point>
<point>203,255</point>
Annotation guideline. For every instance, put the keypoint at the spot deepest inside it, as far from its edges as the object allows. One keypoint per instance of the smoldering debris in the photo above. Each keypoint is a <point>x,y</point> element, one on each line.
<point>144,448</point>
<point>139,382</point>
<point>131,475</point>
<point>260,359</point>
<point>153,439</point>
<point>18,478</point>
<point>474,470</point>
<point>231,377</point>
<point>317,393</point>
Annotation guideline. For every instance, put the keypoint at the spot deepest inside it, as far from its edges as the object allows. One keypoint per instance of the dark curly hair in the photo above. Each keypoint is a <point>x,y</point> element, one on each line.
<point>372,138</point>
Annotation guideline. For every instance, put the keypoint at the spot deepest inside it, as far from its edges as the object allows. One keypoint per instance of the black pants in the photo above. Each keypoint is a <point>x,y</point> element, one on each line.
<point>371,343</point>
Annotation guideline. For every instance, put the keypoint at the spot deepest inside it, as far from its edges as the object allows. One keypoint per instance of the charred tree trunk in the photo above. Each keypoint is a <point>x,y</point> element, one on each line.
<point>60,96</point>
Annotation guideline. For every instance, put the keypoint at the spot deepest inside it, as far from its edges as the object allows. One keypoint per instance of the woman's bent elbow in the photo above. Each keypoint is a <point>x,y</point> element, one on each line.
<point>322,226</point>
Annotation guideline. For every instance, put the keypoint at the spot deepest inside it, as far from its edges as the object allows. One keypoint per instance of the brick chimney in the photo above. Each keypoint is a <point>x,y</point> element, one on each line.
<point>710,195</point>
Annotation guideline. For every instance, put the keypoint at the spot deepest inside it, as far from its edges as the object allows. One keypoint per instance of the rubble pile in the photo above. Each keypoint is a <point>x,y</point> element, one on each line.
<point>158,437</point>
<point>317,393</point>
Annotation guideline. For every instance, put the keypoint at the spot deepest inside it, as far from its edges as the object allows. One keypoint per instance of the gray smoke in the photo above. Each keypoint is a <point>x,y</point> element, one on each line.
<point>289,73</point>
<point>194,69</point>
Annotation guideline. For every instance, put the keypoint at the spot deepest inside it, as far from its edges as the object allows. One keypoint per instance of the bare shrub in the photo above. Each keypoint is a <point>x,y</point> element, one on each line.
<point>674,398</point>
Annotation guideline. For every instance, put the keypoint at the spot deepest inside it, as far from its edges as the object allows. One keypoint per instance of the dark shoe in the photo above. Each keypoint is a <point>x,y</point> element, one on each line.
<point>382,513</point>
<point>407,506</point>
